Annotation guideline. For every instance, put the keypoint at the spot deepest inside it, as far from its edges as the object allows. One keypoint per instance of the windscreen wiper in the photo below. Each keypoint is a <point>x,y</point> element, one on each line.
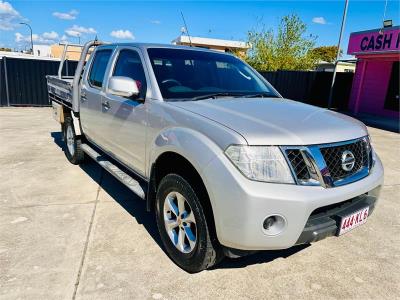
<point>216,95</point>
<point>261,95</point>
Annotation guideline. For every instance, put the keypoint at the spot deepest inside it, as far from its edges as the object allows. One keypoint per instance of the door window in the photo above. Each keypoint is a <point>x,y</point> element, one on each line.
<point>99,67</point>
<point>130,65</point>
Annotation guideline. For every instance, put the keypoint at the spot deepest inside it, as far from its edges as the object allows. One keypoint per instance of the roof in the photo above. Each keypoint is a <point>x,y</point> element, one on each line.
<point>340,62</point>
<point>210,42</point>
<point>150,45</point>
<point>25,56</point>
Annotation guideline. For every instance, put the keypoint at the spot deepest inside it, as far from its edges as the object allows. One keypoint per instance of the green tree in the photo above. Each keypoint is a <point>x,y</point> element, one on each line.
<point>5,49</point>
<point>287,49</point>
<point>325,53</point>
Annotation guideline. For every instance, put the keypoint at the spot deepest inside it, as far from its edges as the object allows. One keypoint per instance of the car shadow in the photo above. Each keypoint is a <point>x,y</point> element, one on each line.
<point>128,200</point>
<point>136,207</point>
<point>259,257</point>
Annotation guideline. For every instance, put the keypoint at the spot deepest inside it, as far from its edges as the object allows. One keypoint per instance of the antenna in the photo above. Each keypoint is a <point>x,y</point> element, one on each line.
<point>187,31</point>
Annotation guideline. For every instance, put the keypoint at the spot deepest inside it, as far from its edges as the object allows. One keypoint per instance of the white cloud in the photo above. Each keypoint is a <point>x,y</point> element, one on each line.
<point>319,20</point>
<point>66,16</point>
<point>72,33</point>
<point>157,22</point>
<point>9,17</point>
<point>19,37</point>
<point>52,35</point>
<point>76,31</point>
<point>122,34</point>
<point>44,38</point>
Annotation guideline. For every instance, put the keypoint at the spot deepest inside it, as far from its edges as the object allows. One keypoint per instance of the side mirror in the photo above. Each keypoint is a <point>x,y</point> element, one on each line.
<point>123,86</point>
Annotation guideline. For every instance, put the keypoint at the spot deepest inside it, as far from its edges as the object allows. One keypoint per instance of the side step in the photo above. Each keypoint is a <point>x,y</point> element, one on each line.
<point>133,184</point>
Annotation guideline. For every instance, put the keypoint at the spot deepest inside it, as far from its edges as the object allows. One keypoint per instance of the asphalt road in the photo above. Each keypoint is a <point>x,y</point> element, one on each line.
<point>71,232</point>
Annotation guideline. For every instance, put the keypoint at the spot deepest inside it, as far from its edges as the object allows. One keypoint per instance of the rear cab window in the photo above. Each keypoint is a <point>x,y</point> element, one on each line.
<point>98,68</point>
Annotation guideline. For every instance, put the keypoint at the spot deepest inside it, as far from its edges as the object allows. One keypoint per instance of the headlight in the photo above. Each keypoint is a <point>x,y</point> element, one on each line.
<point>261,163</point>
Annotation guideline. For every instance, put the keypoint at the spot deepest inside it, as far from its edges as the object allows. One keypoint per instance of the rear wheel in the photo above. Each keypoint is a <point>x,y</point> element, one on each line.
<point>73,150</point>
<point>183,226</point>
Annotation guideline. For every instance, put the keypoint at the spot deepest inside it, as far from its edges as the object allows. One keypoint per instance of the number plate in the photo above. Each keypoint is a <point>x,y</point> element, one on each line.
<point>354,220</point>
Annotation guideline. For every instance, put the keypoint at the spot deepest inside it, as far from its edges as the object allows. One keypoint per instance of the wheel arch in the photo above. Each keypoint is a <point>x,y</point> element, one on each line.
<point>170,162</point>
<point>75,118</point>
<point>176,144</point>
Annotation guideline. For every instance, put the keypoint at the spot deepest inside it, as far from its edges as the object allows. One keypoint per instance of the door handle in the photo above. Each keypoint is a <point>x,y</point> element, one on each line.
<point>106,105</point>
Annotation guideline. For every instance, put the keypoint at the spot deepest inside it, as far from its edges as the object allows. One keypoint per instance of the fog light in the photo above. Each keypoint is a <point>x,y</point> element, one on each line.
<point>274,225</point>
<point>268,222</point>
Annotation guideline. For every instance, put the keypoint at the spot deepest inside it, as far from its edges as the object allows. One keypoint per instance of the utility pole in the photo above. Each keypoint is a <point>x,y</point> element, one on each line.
<point>30,28</point>
<point>338,53</point>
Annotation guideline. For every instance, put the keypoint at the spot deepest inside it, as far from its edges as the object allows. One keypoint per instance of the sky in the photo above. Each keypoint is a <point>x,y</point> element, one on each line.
<point>161,22</point>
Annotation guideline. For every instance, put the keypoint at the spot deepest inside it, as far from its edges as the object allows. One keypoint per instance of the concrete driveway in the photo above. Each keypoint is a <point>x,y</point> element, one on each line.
<point>70,232</point>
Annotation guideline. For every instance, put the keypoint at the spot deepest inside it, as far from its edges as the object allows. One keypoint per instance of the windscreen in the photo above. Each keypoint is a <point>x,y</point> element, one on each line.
<point>187,74</point>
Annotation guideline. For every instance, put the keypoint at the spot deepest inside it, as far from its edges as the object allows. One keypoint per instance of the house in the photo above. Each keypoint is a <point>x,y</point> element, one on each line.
<point>42,50</point>
<point>215,44</point>
<point>74,52</point>
<point>342,66</point>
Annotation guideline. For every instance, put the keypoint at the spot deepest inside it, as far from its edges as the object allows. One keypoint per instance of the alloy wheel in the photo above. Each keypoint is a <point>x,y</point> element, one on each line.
<point>70,141</point>
<point>180,222</point>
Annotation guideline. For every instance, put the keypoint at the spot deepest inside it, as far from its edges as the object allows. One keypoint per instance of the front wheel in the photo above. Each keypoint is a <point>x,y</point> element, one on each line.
<point>183,226</point>
<point>73,150</point>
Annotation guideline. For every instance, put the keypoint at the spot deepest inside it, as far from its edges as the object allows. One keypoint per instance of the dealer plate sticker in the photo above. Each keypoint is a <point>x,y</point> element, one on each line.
<point>354,220</point>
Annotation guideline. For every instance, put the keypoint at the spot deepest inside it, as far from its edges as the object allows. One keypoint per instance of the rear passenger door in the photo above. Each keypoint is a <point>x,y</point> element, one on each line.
<point>124,118</point>
<point>91,95</point>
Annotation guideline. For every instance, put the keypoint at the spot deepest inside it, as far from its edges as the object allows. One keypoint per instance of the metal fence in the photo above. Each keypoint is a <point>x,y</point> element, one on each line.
<point>23,81</point>
<point>312,87</point>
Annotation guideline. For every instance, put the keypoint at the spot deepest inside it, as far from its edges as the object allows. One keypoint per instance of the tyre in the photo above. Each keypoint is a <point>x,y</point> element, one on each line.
<point>183,226</point>
<point>73,150</point>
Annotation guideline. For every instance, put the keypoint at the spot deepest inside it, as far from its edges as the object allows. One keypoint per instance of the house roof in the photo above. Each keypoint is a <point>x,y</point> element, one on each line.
<point>184,39</point>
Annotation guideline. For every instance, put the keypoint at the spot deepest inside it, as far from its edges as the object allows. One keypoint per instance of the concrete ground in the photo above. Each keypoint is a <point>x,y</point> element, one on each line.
<point>70,232</point>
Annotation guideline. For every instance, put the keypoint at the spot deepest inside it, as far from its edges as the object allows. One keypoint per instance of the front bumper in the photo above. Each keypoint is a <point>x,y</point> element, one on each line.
<point>240,207</point>
<point>325,221</point>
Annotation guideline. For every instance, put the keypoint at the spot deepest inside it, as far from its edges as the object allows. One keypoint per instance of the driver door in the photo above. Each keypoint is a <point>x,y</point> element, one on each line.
<point>124,118</point>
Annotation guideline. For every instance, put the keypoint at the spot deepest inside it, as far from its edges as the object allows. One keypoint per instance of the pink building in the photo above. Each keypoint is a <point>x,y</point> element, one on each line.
<point>375,87</point>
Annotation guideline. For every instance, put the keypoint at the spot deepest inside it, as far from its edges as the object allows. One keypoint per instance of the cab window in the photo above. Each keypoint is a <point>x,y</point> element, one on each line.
<point>99,66</point>
<point>129,65</point>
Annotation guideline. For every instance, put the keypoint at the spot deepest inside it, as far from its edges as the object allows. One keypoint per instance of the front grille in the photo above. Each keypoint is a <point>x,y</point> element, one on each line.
<point>327,159</point>
<point>333,158</point>
<point>298,164</point>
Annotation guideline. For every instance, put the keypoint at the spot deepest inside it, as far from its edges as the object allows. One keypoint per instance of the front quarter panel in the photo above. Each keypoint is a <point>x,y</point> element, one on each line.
<point>196,138</point>
<point>192,145</point>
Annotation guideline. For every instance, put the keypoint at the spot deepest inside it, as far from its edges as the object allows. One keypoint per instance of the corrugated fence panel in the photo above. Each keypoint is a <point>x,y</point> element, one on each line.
<point>342,90</point>
<point>3,95</point>
<point>27,80</point>
<point>27,83</point>
<point>312,87</point>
